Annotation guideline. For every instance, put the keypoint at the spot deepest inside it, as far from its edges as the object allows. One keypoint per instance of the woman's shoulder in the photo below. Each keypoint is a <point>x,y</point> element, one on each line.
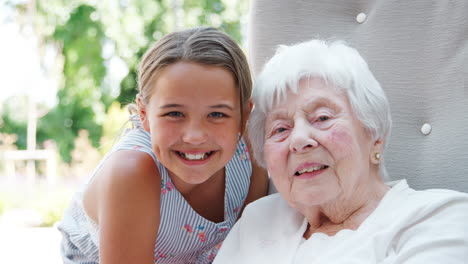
<point>441,195</point>
<point>268,204</point>
<point>428,197</point>
<point>273,209</point>
<point>441,202</point>
<point>424,224</point>
<point>267,207</point>
<point>407,206</point>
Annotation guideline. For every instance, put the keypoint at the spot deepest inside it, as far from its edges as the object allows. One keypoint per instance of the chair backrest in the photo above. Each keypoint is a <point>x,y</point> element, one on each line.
<point>416,50</point>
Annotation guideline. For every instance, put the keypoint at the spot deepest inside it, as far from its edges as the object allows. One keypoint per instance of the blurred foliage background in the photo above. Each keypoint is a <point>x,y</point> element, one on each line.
<point>88,35</point>
<point>97,46</point>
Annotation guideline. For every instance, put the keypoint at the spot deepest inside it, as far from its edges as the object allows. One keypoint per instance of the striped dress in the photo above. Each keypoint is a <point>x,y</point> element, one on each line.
<point>184,236</point>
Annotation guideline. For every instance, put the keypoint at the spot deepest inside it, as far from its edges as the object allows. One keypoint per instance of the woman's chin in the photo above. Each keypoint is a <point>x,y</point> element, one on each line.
<point>304,199</point>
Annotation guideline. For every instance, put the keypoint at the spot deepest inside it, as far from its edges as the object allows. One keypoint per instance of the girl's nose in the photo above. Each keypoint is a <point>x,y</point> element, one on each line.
<point>195,134</point>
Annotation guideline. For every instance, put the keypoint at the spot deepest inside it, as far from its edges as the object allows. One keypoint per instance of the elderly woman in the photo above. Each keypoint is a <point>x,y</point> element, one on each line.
<point>320,125</point>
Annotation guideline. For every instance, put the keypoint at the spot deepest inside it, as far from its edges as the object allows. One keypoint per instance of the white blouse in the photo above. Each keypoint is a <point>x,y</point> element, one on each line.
<point>408,226</point>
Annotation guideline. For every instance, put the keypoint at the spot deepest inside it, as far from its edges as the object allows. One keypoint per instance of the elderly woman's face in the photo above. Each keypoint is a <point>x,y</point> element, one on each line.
<point>315,148</point>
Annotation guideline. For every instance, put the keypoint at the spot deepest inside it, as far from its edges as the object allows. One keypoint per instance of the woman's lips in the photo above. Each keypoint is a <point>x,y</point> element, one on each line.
<point>308,170</point>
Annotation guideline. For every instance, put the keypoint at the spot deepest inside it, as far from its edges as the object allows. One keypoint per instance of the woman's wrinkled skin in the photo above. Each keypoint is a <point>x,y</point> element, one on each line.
<point>322,159</point>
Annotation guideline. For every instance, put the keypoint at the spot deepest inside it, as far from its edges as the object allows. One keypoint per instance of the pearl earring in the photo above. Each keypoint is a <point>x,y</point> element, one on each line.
<point>377,156</point>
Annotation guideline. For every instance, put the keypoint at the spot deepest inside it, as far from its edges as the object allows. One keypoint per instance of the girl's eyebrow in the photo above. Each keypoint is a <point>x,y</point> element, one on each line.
<point>170,106</point>
<point>218,106</point>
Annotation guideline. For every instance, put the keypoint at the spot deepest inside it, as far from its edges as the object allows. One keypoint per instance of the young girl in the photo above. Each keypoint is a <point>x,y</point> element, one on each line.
<point>175,184</point>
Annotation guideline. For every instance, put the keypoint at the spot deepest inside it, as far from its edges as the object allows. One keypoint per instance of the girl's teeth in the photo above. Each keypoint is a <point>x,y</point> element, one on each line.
<point>200,156</point>
<point>195,156</point>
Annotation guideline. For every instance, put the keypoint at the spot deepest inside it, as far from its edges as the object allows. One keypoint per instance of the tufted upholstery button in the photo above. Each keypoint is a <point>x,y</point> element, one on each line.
<point>426,129</point>
<point>361,17</point>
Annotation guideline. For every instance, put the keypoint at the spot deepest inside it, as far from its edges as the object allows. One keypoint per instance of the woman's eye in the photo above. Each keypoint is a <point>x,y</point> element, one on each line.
<point>279,130</point>
<point>217,115</point>
<point>174,114</point>
<point>322,118</point>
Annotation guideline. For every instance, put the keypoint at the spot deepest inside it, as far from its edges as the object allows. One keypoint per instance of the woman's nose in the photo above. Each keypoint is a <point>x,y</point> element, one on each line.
<point>302,138</point>
<point>195,133</point>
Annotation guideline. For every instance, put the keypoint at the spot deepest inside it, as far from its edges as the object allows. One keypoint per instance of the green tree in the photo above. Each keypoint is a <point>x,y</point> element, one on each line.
<point>82,98</point>
<point>84,29</point>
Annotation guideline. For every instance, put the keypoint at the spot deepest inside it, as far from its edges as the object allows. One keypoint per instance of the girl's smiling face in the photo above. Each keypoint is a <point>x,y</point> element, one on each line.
<point>316,150</point>
<point>194,119</point>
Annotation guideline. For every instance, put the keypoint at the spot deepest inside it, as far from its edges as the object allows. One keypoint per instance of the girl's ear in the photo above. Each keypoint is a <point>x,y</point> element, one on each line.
<point>248,109</point>
<point>142,113</point>
<point>376,154</point>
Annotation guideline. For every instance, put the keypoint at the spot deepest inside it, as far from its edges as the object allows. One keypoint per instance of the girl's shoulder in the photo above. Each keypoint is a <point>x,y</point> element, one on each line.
<point>123,199</point>
<point>129,164</point>
<point>128,167</point>
<point>136,139</point>
<point>124,176</point>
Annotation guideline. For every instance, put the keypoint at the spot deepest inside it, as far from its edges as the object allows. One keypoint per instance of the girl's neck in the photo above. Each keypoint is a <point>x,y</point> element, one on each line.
<point>207,198</point>
<point>187,188</point>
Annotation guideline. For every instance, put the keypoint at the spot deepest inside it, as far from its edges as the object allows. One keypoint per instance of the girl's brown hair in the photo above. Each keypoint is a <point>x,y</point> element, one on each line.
<point>204,45</point>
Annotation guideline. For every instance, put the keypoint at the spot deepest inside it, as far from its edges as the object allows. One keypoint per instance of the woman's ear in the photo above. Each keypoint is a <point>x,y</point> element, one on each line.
<point>376,154</point>
<point>142,112</point>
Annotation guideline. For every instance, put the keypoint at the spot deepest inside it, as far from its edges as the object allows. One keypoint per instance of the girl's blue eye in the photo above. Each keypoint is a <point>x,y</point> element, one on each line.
<point>217,115</point>
<point>174,114</point>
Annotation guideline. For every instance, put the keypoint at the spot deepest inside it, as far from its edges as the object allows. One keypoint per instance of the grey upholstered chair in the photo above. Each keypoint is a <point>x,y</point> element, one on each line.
<point>418,50</point>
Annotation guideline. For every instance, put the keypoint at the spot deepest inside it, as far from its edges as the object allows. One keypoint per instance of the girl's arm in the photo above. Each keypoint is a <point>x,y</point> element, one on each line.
<point>124,199</point>
<point>258,180</point>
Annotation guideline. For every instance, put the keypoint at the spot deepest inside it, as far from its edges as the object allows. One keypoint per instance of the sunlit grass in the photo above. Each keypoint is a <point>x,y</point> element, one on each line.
<point>41,206</point>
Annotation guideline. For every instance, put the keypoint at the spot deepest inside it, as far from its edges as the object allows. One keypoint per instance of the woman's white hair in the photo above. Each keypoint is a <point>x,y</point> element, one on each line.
<point>335,63</point>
